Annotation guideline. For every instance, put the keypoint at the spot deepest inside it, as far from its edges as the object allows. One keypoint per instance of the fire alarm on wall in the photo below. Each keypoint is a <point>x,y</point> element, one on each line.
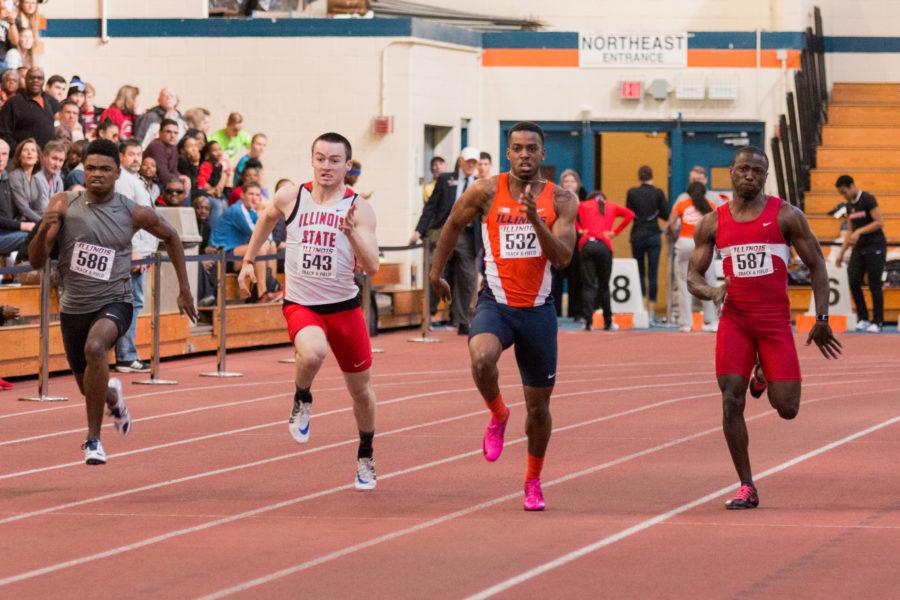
<point>383,124</point>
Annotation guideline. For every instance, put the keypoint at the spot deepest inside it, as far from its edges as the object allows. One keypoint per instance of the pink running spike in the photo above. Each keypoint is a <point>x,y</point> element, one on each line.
<point>492,445</point>
<point>746,497</point>
<point>534,497</point>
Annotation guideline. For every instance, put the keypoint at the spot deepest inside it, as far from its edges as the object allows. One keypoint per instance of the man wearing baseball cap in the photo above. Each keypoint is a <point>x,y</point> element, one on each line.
<point>461,267</point>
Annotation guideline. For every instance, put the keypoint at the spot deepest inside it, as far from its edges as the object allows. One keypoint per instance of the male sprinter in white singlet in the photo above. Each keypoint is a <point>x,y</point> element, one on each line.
<point>330,231</point>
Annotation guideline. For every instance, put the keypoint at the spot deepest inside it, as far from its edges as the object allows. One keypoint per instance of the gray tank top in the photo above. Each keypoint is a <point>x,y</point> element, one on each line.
<point>95,253</point>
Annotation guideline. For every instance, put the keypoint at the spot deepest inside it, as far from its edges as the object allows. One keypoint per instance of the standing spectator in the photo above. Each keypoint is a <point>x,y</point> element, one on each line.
<point>147,126</point>
<point>698,173</point>
<point>9,84</point>
<point>9,33</point>
<point>350,178</point>
<point>189,159</point>
<point>206,287</point>
<point>148,176</point>
<point>257,149</point>
<point>461,267</point>
<point>74,167</point>
<point>197,118</point>
<point>689,211</point>
<point>107,130</point>
<point>648,203</point>
<point>143,244</point>
<point>165,152</point>
<point>13,230</point>
<point>569,278</point>
<point>596,217</point>
<point>56,89</point>
<point>90,113</point>
<point>28,114</point>
<point>123,110</point>
<point>68,119</point>
<point>232,138</point>
<point>485,164</point>
<point>436,166</point>
<point>48,179</point>
<point>869,252</point>
<point>26,192</point>
<point>22,54</point>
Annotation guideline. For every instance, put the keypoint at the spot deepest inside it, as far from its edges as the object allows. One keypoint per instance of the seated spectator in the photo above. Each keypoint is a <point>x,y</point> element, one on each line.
<point>210,176</point>
<point>206,278</point>
<point>48,178</point>
<point>56,88</point>
<point>279,232</point>
<point>61,134</point>
<point>197,118</point>
<point>174,194</point>
<point>123,109</point>
<point>7,313</point>
<point>26,191</point>
<point>233,140</point>
<point>9,33</point>
<point>13,231</point>
<point>90,113</point>
<point>233,230</point>
<point>252,174</point>
<point>75,93</point>
<point>22,54</point>
<point>148,176</point>
<point>197,135</point>
<point>107,130</point>
<point>9,84</point>
<point>74,171</point>
<point>189,159</point>
<point>68,118</point>
<point>257,149</point>
<point>28,113</point>
<point>28,16</point>
<point>146,128</point>
<point>164,151</point>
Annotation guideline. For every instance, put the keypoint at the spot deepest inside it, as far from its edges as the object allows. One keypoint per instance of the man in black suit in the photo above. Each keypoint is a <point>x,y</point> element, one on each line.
<point>461,267</point>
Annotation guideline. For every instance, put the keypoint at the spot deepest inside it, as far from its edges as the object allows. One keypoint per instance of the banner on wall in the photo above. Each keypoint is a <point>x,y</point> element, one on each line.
<point>645,50</point>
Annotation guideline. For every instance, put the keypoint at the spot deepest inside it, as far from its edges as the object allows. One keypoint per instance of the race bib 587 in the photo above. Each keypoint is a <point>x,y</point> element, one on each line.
<point>519,241</point>
<point>93,261</point>
<point>751,260</point>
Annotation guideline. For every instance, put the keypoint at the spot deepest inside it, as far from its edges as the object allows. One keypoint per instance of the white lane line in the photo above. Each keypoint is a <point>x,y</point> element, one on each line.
<point>269,508</point>
<point>483,505</point>
<point>333,412</point>
<point>662,517</point>
<point>273,459</point>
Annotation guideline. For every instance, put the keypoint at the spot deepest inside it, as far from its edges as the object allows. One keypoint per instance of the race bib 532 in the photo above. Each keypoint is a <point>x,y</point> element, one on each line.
<point>519,241</point>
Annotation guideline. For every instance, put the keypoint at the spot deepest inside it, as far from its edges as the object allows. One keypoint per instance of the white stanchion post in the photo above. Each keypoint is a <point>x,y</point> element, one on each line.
<point>154,328</point>
<point>220,309</point>
<point>426,296</point>
<point>44,351</point>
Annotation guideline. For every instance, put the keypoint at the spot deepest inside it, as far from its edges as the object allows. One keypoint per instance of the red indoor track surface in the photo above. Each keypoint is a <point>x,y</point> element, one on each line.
<point>210,497</point>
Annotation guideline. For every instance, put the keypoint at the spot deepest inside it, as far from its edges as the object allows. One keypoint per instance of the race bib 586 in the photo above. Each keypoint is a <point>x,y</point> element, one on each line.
<point>519,241</point>
<point>93,261</point>
<point>751,260</point>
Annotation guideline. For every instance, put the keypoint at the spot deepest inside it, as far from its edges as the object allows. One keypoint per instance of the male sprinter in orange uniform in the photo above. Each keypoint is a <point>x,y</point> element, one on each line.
<point>527,224</point>
<point>754,232</point>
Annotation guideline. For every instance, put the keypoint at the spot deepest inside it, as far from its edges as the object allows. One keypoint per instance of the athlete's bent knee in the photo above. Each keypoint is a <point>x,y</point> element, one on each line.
<point>95,351</point>
<point>732,406</point>
<point>788,412</point>
<point>483,364</point>
<point>539,412</point>
<point>310,361</point>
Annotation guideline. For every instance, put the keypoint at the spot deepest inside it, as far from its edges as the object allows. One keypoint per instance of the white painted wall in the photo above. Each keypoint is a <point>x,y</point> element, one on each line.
<point>126,9</point>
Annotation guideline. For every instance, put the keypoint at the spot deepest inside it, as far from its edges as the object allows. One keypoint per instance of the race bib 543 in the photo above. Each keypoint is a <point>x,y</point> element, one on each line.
<point>93,261</point>
<point>318,262</point>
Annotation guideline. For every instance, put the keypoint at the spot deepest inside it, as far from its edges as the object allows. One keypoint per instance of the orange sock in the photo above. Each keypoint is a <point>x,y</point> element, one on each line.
<point>498,408</point>
<point>533,470</point>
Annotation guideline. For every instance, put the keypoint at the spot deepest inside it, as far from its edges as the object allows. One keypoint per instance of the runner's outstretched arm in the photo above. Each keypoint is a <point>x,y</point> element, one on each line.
<point>281,205</point>
<point>359,227</point>
<point>148,220</point>
<point>42,243</point>
<point>701,258</point>
<point>557,244</point>
<point>470,205</point>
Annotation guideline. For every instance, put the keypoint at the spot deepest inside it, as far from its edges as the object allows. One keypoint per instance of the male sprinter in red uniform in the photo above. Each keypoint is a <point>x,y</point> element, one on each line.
<point>329,233</point>
<point>527,224</point>
<point>753,232</point>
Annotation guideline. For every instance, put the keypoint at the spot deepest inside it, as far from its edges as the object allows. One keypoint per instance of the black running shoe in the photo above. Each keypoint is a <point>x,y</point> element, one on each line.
<point>756,386</point>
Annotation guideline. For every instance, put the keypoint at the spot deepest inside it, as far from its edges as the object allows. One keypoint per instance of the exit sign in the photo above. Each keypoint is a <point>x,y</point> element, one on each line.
<point>630,90</point>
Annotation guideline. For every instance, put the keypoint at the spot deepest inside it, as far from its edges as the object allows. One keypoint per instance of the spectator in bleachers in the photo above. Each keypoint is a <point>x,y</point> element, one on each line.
<point>90,113</point>
<point>123,110</point>
<point>28,114</point>
<point>688,212</point>
<point>28,17</point>
<point>61,134</point>
<point>211,177</point>
<point>234,141</point>
<point>251,174</point>
<point>146,129</point>
<point>279,232</point>
<point>9,33</point>
<point>206,286</point>
<point>9,84</point>
<point>107,130</point>
<point>56,88</point>
<point>596,227</point>
<point>68,119</point>
<point>164,151</point>
<point>22,54</point>
<point>26,192</point>
<point>75,93</point>
<point>197,135</point>
<point>49,178</point>
<point>197,118</point>
<point>233,230</point>
<point>189,159</point>
<point>649,205</point>
<point>13,230</point>
<point>174,193</point>
<point>257,149</point>
<point>74,167</point>
<point>7,312</point>
<point>143,244</point>
<point>148,176</point>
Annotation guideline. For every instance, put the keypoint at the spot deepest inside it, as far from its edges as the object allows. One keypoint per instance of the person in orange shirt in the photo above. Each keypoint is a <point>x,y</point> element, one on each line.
<point>595,221</point>
<point>688,212</point>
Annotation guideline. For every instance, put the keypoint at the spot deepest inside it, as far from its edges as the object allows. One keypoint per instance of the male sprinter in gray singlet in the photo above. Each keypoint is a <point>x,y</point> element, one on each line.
<point>92,231</point>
